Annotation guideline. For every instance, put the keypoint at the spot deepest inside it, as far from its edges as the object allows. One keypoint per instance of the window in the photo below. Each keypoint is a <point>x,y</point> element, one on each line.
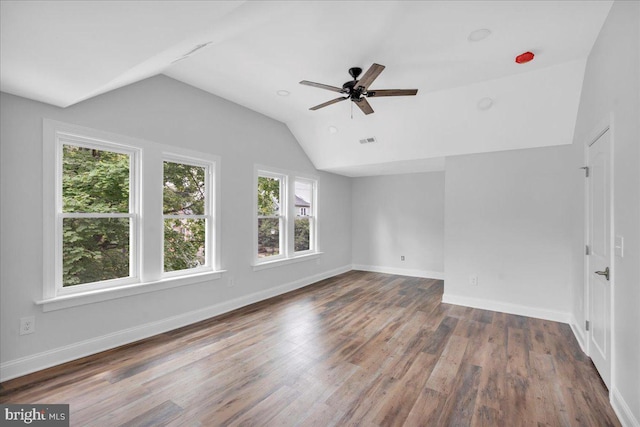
<point>97,213</point>
<point>96,187</point>
<point>271,208</point>
<point>186,214</point>
<point>285,222</point>
<point>304,229</point>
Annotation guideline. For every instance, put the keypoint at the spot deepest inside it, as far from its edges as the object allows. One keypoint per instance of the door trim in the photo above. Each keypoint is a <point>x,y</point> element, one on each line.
<point>604,126</point>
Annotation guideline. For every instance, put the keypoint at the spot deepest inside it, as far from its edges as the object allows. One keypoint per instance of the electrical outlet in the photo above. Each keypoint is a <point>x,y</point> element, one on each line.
<point>231,282</point>
<point>473,280</point>
<point>27,325</point>
<point>401,257</point>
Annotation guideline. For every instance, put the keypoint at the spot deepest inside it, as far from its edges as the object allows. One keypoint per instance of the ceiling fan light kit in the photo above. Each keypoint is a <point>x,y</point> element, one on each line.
<point>358,90</point>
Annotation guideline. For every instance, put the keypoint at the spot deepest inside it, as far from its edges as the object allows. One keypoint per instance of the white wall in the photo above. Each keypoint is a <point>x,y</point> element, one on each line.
<point>612,87</point>
<point>396,215</point>
<point>507,221</point>
<point>163,110</point>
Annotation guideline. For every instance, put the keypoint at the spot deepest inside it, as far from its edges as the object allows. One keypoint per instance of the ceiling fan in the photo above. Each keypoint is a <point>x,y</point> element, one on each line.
<point>358,90</point>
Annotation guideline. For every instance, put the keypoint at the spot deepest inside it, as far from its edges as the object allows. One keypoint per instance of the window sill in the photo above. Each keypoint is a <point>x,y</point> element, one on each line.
<point>286,261</point>
<point>67,301</point>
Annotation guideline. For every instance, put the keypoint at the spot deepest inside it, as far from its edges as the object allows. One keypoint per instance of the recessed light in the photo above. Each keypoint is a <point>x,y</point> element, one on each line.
<point>477,35</point>
<point>485,103</point>
<point>332,129</point>
<point>283,92</point>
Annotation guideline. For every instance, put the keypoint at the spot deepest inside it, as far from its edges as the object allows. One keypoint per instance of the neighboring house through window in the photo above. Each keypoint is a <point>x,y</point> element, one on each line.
<point>285,224</point>
<point>304,229</point>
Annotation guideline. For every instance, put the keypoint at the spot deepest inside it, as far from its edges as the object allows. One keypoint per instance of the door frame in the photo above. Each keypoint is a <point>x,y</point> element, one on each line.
<point>605,125</point>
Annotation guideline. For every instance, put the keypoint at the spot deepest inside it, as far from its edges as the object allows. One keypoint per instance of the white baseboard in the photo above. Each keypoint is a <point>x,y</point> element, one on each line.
<point>26,365</point>
<point>622,410</point>
<point>400,271</point>
<point>506,307</point>
<point>580,334</point>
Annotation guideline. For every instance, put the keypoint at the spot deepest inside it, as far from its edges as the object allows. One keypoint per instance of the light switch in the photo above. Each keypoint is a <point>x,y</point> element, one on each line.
<point>619,246</point>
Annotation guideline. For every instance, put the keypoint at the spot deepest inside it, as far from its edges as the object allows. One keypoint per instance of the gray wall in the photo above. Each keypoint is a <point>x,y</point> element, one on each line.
<point>163,110</point>
<point>396,215</point>
<point>612,86</point>
<point>507,221</point>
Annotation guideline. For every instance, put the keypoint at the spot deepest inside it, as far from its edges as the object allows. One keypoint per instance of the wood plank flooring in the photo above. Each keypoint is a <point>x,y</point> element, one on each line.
<point>358,349</point>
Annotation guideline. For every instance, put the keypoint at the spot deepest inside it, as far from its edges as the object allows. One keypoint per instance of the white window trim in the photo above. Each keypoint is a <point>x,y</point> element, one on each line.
<point>149,241</point>
<point>73,300</point>
<point>288,255</point>
<point>293,260</point>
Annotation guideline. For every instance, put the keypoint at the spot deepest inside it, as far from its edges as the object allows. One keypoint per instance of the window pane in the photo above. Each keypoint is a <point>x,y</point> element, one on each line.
<point>94,180</point>
<point>94,249</point>
<point>304,198</point>
<point>268,237</point>
<point>184,189</point>
<point>183,243</point>
<point>302,235</point>
<point>268,196</point>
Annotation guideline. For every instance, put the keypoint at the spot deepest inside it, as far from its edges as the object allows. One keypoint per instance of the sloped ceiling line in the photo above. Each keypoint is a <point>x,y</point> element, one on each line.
<point>65,52</point>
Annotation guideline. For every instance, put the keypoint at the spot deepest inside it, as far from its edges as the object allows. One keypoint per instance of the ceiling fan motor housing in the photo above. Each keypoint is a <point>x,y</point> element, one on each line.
<point>348,86</point>
<point>352,92</point>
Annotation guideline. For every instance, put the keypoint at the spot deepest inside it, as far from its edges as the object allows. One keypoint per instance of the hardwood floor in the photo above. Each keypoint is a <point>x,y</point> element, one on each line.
<point>357,349</point>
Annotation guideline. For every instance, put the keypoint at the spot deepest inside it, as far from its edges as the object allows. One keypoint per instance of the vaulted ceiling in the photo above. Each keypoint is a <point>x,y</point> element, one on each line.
<point>64,52</point>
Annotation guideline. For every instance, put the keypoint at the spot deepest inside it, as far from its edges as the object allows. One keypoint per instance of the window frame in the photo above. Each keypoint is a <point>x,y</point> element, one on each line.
<point>147,189</point>
<point>282,217</point>
<point>312,218</point>
<point>288,213</point>
<point>133,214</point>
<point>210,234</point>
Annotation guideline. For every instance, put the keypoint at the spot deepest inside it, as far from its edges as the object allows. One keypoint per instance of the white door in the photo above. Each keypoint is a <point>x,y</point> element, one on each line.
<point>599,260</point>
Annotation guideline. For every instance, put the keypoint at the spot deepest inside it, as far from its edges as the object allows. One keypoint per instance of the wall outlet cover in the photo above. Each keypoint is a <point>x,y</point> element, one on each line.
<point>27,325</point>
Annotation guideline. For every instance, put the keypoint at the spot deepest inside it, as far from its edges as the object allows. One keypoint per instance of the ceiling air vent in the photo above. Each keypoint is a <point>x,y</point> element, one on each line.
<point>369,140</point>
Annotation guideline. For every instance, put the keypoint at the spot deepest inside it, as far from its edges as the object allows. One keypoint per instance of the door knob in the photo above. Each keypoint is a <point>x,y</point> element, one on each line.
<point>604,273</point>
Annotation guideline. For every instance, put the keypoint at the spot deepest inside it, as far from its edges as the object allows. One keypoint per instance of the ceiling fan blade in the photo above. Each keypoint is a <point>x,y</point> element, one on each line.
<point>324,104</point>
<point>391,92</point>
<point>372,73</point>
<point>364,105</point>
<point>322,86</point>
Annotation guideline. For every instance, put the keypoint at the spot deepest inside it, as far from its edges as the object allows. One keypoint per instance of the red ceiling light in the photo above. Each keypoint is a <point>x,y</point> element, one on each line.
<point>523,58</point>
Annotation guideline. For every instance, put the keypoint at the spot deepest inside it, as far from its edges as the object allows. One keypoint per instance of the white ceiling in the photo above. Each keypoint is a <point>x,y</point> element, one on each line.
<point>63,52</point>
